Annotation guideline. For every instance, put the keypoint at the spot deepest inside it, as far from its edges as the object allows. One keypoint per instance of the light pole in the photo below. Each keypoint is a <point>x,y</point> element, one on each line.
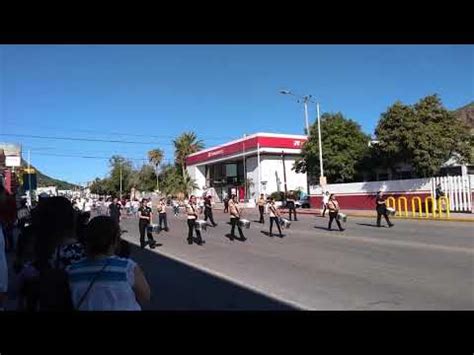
<point>305,99</point>
<point>120,181</point>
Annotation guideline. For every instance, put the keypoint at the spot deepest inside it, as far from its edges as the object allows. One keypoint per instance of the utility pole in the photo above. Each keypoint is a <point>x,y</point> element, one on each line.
<point>29,178</point>
<point>284,171</point>
<point>120,181</point>
<point>320,144</point>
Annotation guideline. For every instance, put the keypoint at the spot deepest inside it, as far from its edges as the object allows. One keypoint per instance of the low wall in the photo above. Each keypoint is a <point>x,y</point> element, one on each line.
<point>361,195</point>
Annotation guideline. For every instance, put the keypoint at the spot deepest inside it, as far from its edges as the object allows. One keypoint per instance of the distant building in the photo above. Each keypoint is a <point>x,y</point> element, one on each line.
<point>259,163</point>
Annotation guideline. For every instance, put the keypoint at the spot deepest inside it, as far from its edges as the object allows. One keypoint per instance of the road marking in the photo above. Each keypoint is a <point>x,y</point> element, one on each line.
<point>270,294</point>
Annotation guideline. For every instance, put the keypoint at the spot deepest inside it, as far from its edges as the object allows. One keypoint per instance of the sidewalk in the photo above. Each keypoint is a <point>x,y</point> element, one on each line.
<point>453,217</point>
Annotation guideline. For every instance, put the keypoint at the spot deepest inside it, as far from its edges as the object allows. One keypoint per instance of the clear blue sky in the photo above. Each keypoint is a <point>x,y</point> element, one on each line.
<point>220,92</point>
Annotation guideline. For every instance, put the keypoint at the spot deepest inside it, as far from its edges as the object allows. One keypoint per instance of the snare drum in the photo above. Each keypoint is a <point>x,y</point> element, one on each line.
<point>201,225</point>
<point>153,229</point>
<point>285,223</point>
<point>391,211</point>
<point>341,217</point>
<point>244,223</point>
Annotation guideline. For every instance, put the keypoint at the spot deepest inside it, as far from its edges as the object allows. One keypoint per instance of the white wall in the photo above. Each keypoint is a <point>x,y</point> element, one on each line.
<point>252,173</point>
<point>197,173</point>
<point>272,172</point>
<point>374,186</point>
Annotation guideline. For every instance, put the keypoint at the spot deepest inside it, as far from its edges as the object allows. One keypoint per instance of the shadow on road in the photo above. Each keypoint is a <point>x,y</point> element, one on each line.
<point>229,236</point>
<point>176,286</point>
<point>369,225</point>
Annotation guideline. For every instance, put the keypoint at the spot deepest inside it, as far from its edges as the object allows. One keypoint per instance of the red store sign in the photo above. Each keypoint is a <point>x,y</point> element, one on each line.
<point>246,145</point>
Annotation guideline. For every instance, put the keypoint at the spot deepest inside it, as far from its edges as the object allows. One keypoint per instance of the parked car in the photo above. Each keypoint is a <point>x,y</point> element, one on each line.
<point>303,203</point>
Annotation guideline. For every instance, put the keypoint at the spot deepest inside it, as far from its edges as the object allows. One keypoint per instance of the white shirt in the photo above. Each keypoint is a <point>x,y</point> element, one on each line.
<point>272,214</point>
<point>325,198</point>
<point>112,290</point>
<point>87,206</point>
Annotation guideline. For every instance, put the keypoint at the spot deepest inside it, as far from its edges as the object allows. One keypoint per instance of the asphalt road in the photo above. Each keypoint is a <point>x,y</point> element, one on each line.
<point>416,265</point>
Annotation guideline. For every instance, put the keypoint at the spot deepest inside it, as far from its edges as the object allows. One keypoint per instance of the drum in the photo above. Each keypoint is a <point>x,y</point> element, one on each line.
<point>285,223</point>
<point>244,223</point>
<point>201,225</point>
<point>341,217</point>
<point>391,211</point>
<point>153,229</point>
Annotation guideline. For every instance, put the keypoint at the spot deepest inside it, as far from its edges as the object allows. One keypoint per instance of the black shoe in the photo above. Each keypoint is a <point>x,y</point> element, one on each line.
<point>201,242</point>
<point>329,229</point>
<point>281,235</point>
<point>190,241</point>
<point>342,229</point>
<point>390,225</point>
<point>378,225</point>
<point>152,244</point>
<point>232,237</point>
<point>214,225</point>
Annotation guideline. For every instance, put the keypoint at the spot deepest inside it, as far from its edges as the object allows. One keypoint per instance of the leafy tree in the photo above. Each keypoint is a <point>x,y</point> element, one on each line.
<point>119,166</point>
<point>424,135</point>
<point>344,146</point>
<point>155,157</point>
<point>187,143</point>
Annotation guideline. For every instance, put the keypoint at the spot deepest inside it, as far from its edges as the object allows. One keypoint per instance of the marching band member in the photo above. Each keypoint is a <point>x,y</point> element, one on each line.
<point>325,202</point>
<point>333,207</point>
<point>235,211</point>
<point>193,212</point>
<point>162,214</point>
<point>144,220</point>
<point>274,216</point>
<point>261,207</point>
<point>381,208</point>
<point>291,203</point>
<point>208,210</point>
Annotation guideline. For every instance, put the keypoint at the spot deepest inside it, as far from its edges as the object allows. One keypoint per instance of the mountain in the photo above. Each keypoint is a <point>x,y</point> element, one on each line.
<point>466,114</point>
<point>45,180</point>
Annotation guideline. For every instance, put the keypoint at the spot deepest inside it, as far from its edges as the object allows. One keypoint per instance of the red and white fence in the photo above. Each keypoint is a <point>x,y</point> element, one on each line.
<point>361,195</point>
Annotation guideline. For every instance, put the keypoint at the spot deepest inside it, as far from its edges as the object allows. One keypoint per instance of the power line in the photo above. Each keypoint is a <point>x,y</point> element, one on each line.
<point>76,139</point>
<point>126,134</point>
<point>95,157</point>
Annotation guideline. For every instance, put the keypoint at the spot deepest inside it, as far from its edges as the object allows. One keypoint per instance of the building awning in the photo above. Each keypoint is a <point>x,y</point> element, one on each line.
<point>267,142</point>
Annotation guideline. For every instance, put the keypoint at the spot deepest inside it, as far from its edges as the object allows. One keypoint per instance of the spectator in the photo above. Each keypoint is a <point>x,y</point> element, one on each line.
<point>55,247</point>
<point>104,281</point>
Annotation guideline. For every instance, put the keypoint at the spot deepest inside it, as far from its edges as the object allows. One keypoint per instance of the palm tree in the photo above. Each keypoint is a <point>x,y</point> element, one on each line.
<point>155,157</point>
<point>188,184</point>
<point>187,143</point>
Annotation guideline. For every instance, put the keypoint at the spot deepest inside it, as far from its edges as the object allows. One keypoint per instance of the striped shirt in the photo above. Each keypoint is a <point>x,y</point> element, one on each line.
<point>112,290</point>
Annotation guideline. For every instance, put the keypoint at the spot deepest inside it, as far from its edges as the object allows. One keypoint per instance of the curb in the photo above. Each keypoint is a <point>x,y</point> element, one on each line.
<point>453,219</point>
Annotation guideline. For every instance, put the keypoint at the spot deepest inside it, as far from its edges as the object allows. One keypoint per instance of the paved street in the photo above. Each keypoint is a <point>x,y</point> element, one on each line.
<point>417,265</point>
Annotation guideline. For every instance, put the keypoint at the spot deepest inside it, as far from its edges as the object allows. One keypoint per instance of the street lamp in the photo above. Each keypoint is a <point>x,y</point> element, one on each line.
<point>305,99</point>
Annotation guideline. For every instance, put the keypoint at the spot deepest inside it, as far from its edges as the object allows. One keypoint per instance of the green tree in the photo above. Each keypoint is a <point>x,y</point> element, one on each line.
<point>119,167</point>
<point>99,187</point>
<point>143,179</point>
<point>173,183</point>
<point>155,157</point>
<point>344,146</point>
<point>424,135</point>
<point>187,143</point>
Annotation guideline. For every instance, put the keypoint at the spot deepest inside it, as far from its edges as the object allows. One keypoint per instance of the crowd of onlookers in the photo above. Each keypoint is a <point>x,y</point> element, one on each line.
<point>64,260</point>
